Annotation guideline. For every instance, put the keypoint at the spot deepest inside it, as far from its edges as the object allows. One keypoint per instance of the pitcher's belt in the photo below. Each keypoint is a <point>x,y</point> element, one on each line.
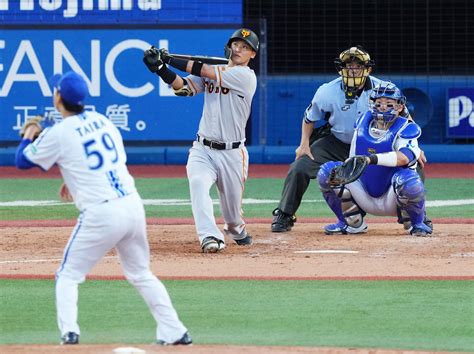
<point>218,145</point>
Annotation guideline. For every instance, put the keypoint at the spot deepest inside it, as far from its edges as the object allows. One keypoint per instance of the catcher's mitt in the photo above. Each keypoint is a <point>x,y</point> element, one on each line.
<point>349,171</point>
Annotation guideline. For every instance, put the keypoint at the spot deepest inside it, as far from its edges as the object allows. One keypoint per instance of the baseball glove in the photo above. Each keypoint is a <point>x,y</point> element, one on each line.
<point>33,121</point>
<point>40,122</point>
<point>349,171</point>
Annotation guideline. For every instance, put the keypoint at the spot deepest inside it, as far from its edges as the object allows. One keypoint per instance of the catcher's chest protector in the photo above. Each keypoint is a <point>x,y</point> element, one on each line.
<point>376,179</point>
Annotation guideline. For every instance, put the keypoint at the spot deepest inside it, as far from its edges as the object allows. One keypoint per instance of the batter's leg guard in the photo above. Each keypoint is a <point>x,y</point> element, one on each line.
<point>410,193</point>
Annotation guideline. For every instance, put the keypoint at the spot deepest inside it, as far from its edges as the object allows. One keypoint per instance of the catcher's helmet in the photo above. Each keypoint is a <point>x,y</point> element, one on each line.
<point>353,79</point>
<point>247,36</point>
<point>386,90</point>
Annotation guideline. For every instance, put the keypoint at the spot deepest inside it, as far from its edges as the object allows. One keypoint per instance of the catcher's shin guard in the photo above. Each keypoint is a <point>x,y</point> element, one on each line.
<point>329,194</point>
<point>353,214</point>
<point>410,193</point>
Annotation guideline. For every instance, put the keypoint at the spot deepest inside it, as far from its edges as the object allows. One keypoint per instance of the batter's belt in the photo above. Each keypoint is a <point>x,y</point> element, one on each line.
<point>218,145</point>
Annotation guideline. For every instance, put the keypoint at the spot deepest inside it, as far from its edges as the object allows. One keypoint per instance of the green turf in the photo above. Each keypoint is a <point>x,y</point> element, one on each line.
<point>177,188</point>
<point>421,315</point>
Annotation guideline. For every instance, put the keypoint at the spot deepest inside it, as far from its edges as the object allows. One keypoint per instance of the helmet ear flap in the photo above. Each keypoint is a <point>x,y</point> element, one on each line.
<point>227,51</point>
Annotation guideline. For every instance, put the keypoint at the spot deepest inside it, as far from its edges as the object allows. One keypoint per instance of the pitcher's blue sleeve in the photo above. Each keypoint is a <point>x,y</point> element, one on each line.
<point>21,161</point>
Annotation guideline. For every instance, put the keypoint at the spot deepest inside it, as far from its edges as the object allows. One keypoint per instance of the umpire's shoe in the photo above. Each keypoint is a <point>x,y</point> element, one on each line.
<point>70,338</point>
<point>211,244</point>
<point>184,340</point>
<point>282,222</point>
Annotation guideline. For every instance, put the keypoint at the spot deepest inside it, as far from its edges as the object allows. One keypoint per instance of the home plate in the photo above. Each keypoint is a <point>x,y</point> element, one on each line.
<point>327,251</point>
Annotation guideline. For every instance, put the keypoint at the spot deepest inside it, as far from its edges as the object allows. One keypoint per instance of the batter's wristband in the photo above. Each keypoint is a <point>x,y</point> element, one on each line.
<point>373,159</point>
<point>166,74</point>
<point>196,69</point>
<point>179,64</point>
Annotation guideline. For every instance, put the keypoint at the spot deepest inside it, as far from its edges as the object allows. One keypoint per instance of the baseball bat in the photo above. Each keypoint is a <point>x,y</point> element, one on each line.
<point>202,58</point>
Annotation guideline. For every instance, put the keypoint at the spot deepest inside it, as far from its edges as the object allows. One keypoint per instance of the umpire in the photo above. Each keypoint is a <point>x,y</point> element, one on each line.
<point>334,108</point>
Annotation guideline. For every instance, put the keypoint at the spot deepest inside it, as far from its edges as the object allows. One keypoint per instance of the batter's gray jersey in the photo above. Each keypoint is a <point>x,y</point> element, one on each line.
<point>227,102</point>
<point>330,99</point>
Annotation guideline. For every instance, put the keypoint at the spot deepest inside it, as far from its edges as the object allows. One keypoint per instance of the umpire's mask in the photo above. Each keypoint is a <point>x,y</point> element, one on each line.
<point>354,65</point>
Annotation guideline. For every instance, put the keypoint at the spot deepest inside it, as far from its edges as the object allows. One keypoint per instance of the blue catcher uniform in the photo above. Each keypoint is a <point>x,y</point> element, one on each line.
<point>366,144</point>
<point>381,190</point>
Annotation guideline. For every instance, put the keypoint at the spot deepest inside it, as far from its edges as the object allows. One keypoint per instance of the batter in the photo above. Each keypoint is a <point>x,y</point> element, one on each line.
<point>218,156</point>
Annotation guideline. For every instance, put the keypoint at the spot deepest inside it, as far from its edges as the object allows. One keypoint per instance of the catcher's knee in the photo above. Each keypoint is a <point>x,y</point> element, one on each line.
<point>353,214</point>
<point>408,187</point>
<point>325,172</point>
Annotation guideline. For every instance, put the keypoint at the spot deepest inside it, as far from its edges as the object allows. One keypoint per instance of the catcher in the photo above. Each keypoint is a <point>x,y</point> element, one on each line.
<point>380,178</point>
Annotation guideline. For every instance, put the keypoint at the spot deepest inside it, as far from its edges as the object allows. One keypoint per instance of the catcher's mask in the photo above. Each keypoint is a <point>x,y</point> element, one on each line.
<point>390,111</point>
<point>354,65</point>
<point>244,34</point>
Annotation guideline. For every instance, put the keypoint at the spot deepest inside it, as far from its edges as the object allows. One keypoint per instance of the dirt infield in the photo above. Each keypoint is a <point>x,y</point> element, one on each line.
<point>304,253</point>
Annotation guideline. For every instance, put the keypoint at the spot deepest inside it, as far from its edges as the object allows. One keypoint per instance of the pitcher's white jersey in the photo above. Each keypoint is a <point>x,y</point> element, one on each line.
<point>94,174</point>
<point>225,115</point>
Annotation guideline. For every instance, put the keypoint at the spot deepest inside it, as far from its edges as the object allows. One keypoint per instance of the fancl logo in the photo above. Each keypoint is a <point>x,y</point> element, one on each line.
<point>71,8</point>
<point>460,108</point>
<point>115,74</point>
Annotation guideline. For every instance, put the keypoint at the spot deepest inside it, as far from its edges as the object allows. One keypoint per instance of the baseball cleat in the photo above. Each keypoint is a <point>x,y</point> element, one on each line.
<point>70,338</point>
<point>246,241</point>
<point>282,222</point>
<point>184,340</point>
<point>344,229</point>
<point>211,244</point>
<point>420,230</point>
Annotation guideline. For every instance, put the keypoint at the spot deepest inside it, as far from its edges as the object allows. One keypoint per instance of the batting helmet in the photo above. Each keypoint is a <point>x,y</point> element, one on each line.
<point>354,79</point>
<point>247,36</point>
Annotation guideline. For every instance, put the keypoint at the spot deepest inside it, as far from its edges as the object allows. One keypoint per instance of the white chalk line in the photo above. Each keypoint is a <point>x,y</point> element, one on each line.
<point>328,251</point>
<point>247,201</point>
<point>43,260</point>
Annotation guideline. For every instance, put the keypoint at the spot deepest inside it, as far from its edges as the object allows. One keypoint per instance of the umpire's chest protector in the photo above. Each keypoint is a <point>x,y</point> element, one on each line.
<point>376,179</point>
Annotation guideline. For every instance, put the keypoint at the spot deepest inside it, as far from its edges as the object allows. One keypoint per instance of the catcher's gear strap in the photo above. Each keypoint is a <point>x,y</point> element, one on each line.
<point>196,69</point>
<point>184,91</point>
<point>166,74</point>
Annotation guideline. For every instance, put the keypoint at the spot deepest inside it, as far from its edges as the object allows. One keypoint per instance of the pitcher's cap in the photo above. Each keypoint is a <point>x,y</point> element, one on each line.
<point>71,86</point>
